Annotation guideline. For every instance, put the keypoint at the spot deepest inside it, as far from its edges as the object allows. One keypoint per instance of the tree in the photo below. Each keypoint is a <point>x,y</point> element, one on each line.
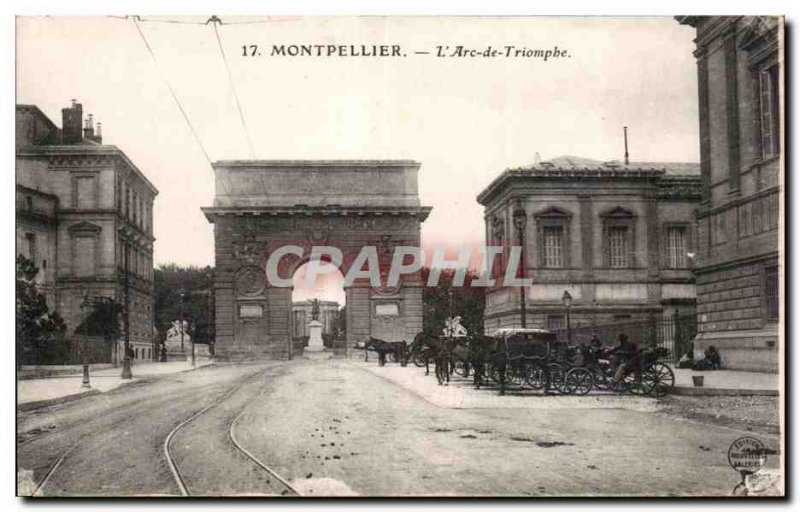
<point>39,332</point>
<point>196,283</point>
<point>103,320</point>
<point>438,304</point>
<point>340,324</point>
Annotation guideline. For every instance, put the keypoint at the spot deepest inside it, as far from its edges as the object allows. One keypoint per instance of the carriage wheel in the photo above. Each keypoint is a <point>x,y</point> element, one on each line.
<point>558,376</point>
<point>633,387</point>
<point>535,376</point>
<point>579,381</point>
<point>658,379</point>
<point>460,367</point>
<point>418,360</point>
<point>601,378</point>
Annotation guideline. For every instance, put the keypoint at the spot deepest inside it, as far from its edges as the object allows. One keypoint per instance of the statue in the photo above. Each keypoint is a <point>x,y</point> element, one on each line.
<point>315,309</point>
<point>453,328</point>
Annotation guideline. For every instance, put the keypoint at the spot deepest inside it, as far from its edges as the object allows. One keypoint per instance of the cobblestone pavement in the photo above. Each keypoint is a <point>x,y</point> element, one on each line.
<point>345,428</point>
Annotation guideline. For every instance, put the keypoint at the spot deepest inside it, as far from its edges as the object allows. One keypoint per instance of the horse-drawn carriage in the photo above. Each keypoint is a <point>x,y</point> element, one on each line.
<point>535,359</point>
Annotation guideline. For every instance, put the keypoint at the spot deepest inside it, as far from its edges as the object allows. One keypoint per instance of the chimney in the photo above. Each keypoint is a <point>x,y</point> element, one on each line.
<point>88,127</point>
<point>625,131</point>
<point>537,159</point>
<point>71,121</point>
<point>98,134</point>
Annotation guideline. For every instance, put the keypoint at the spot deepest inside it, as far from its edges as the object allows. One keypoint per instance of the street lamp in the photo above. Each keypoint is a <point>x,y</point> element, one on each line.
<point>182,297</point>
<point>127,239</point>
<point>520,219</point>
<point>85,315</point>
<point>192,330</point>
<point>566,299</point>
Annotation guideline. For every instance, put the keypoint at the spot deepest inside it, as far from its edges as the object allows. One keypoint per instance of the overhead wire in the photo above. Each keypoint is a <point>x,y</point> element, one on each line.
<point>171,90</point>
<point>216,21</point>
<point>175,96</point>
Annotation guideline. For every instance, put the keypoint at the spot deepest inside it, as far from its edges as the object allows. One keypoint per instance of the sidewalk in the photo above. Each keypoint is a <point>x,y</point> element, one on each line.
<point>727,382</point>
<point>62,388</point>
<point>460,394</point>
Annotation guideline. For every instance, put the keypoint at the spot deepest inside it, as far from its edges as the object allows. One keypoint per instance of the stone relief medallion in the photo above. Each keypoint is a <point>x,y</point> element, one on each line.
<point>386,290</point>
<point>250,281</point>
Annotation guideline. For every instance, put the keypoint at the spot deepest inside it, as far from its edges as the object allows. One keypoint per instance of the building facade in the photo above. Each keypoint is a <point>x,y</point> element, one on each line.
<point>84,215</point>
<point>617,237</point>
<point>739,269</point>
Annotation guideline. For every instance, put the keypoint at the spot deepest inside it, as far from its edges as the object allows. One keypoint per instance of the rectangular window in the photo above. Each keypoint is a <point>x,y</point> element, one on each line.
<point>676,247</point>
<point>553,246</point>
<point>84,256</point>
<point>757,217</point>
<point>771,292</point>
<point>30,246</point>
<point>618,247</point>
<point>770,115</point>
<point>85,193</point>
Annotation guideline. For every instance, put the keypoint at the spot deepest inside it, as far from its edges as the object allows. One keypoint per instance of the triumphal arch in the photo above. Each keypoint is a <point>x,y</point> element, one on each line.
<point>263,206</point>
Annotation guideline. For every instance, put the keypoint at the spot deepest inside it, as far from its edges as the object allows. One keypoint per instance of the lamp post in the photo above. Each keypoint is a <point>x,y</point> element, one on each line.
<point>192,331</point>
<point>566,299</point>
<point>84,314</point>
<point>520,219</point>
<point>182,296</point>
<point>126,239</point>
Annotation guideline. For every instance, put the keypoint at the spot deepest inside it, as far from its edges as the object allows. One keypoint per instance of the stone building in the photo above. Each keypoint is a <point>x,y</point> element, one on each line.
<point>264,206</point>
<point>739,267</point>
<point>618,237</point>
<point>301,316</point>
<point>81,207</point>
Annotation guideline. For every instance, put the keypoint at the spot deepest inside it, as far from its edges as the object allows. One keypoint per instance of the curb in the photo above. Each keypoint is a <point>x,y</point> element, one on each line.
<point>724,392</point>
<point>28,406</point>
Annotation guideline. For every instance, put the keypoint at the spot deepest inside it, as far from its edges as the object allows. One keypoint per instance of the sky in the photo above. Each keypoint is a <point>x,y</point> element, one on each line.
<point>464,119</point>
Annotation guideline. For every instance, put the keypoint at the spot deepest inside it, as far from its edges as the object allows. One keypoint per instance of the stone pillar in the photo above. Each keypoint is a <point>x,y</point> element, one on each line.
<point>586,219</point>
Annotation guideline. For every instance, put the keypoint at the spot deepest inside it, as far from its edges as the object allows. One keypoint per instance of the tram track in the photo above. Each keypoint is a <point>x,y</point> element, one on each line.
<point>180,478</point>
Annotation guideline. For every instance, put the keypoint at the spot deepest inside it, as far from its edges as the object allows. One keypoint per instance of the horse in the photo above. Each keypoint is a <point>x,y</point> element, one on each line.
<point>397,348</point>
<point>479,351</point>
<point>501,352</point>
<point>436,348</point>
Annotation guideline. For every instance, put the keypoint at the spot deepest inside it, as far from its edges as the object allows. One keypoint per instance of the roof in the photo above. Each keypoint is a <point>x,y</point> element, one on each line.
<point>86,146</point>
<point>86,149</point>
<point>253,164</point>
<point>575,167</point>
<point>572,163</point>
<point>521,330</point>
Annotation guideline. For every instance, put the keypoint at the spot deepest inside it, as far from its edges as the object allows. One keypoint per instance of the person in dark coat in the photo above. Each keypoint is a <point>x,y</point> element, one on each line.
<point>710,361</point>
<point>627,356</point>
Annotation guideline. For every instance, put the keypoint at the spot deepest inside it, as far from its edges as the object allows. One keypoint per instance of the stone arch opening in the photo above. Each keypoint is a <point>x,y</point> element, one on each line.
<point>329,292</point>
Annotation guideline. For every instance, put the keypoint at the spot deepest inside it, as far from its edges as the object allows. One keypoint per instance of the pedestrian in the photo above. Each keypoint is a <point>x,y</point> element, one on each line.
<point>627,356</point>
<point>710,361</point>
